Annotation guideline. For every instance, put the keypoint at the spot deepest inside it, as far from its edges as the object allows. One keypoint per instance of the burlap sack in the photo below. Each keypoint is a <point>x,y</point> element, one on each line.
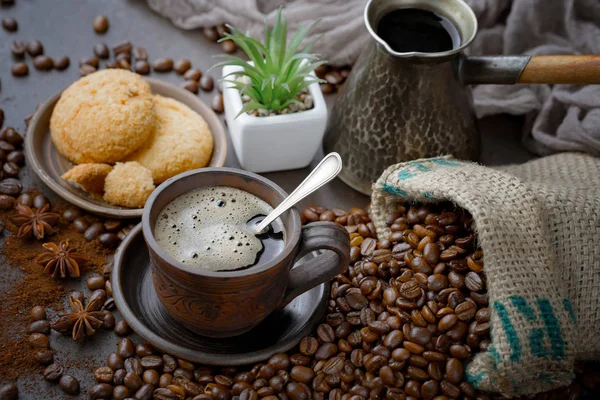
<point>538,225</point>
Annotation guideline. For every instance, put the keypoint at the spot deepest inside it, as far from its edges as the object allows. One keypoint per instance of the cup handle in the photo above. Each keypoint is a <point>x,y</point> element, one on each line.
<point>323,268</point>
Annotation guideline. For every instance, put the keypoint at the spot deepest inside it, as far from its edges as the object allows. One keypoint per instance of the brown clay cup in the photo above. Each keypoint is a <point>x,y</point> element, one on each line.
<point>225,304</point>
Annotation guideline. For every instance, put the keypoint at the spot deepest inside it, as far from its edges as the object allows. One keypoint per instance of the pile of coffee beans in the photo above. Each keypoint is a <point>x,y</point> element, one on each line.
<point>334,77</point>
<point>41,62</point>
<point>11,161</point>
<point>109,232</point>
<point>402,321</point>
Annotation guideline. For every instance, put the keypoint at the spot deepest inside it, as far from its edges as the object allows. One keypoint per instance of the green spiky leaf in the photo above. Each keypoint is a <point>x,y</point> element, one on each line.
<point>277,71</point>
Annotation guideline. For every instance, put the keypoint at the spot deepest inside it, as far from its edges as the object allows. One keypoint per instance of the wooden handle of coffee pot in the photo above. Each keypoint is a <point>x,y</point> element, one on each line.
<point>579,70</point>
<point>508,70</point>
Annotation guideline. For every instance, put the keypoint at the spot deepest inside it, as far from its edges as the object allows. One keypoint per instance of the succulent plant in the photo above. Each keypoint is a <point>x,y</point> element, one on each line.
<point>278,71</point>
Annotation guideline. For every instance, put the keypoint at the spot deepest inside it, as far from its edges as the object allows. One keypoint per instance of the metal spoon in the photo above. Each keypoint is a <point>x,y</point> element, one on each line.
<point>327,169</point>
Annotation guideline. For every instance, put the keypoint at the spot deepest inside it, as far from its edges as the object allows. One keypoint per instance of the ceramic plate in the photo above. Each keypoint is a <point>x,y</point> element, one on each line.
<point>50,165</point>
<point>138,303</point>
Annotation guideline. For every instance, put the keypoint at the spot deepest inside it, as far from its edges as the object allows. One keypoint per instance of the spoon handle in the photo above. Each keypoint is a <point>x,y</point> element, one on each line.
<point>327,169</point>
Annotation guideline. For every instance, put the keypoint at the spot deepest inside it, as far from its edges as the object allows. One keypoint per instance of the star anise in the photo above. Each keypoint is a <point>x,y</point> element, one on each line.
<point>40,222</point>
<point>60,261</point>
<point>82,321</point>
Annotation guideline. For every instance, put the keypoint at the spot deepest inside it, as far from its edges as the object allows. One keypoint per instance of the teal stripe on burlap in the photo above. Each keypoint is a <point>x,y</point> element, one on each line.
<point>569,308</point>
<point>509,331</point>
<point>521,304</point>
<point>557,343</point>
<point>536,342</point>
<point>394,190</point>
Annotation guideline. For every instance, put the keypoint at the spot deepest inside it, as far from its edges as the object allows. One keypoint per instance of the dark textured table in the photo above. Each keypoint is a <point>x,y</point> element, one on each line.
<point>65,28</point>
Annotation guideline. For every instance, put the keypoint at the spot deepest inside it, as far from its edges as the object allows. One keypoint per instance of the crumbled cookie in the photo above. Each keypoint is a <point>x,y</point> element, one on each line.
<point>129,185</point>
<point>89,177</point>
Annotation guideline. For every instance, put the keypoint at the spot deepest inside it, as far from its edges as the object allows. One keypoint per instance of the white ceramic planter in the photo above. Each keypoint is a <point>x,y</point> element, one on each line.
<point>275,143</point>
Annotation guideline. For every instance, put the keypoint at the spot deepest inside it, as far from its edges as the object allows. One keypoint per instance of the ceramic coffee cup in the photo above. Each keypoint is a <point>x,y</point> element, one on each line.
<point>225,304</point>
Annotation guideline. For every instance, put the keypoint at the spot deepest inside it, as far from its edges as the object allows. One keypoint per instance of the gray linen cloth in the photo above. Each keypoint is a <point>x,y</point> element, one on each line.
<point>559,117</point>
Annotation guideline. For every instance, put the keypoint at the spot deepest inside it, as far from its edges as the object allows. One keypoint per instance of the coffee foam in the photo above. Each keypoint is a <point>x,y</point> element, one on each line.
<point>206,228</point>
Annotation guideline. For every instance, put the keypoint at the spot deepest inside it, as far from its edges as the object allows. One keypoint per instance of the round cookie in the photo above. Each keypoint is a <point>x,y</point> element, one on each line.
<point>128,184</point>
<point>103,117</point>
<point>181,141</point>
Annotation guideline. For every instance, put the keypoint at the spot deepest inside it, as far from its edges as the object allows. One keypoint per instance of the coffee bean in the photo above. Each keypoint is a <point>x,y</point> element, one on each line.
<point>96,282</point>
<point>192,74</point>
<point>181,66</point>
<point>140,53</point>
<point>119,376</point>
<point>228,46</point>
<point>69,384</point>
<point>465,311</point>
<point>100,24</point>
<point>39,200</point>
<point>454,371</point>
<point>41,326</point>
<point>132,381</point>
<point>206,83</point>
<point>43,63</point>
<point>162,65</point>
<point>151,376</point>
<point>93,61</point>
<point>19,69</point>
<point>123,47</point>
<point>449,389</point>
<point>104,375</point>
<point>210,34</point>
<point>109,240</point>
<point>35,48</point>
<point>115,362</point>
<point>217,103</point>
<point>152,362</point>
<point>18,49</point>
<point>25,199</point>
<point>44,356</point>
<point>53,372</point>
<point>474,282</point>
<point>190,86</point>
<point>100,391</point>
<point>93,231</point>
<point>142,67</point>
<point>6,202</point>
<point>143,349</point>
<point>124,64</point>
<point>38,341</point>
<point>327,88</point>
<point>76,294</point>
<point>325,333</point>
<point>302,374</point>
<point>101,51</point>
<point>121,392</point>
<point>81,225</point>
<point>61,63</point>
<point>309,346</point>
<point>125,348</point>
<point>16,157</point>
<point>10,24</point>
<point>99,296</point>
<point>169,364</point>
<point>86,69</point>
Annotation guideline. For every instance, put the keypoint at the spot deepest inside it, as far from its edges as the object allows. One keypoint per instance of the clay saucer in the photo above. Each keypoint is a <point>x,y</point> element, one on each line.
<point>138,303</point>
<point>50,165</point>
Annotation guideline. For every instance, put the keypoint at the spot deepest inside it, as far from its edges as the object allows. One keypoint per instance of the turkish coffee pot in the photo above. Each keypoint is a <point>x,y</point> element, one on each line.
<point>407,96</point>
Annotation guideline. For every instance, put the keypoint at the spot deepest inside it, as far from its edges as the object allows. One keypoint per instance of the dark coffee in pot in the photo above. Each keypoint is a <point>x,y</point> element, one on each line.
<point>208,228</point>
<point>416,30</point>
